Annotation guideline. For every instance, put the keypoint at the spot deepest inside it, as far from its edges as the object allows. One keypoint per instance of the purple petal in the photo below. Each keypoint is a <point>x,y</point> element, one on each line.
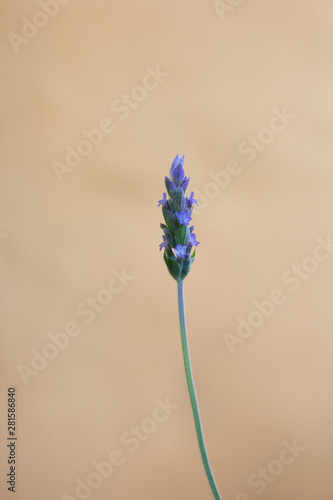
<point>177,171</point>
<point>164,242</point>
<point>192,200</point>
<point>184,217</point>
<point>164,201</point>
<point>180,250</point>
<point>194,241</point>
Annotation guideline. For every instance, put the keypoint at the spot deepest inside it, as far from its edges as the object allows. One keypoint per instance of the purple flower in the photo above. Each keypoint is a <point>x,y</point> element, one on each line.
<point>177,172</point>
<point>164,201</point>
<point>194,240</point>
<point>191,200</point>
<point>179,239</point>
<point>164,242</point>
<point>184,217</point>
<point>180,250</point>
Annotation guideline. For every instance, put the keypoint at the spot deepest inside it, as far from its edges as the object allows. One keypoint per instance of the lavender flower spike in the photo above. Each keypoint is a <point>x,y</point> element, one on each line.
<point>177,212</point>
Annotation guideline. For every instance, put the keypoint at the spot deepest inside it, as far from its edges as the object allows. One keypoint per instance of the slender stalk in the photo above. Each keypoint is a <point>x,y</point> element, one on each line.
<point>191,388</point>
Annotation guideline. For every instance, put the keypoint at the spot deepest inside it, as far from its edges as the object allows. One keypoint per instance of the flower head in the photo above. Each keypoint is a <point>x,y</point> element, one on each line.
<point>178,238</point>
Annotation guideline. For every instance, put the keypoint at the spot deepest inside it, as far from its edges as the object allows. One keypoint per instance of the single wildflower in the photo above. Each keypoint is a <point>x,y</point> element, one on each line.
<point>179,243</point>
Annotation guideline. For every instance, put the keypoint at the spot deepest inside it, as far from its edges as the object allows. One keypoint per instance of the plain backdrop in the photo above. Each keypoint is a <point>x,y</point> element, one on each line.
<point>244,90</point>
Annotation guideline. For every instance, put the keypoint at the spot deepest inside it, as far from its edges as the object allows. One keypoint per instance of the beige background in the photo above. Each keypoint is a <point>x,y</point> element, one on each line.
<point>61,240</point>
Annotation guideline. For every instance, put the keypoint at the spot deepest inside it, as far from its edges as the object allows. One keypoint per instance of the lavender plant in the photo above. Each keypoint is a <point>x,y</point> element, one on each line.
<point>179,242</point>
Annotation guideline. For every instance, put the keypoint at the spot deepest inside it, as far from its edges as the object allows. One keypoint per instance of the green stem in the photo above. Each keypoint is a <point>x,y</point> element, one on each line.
<point>191,388</point>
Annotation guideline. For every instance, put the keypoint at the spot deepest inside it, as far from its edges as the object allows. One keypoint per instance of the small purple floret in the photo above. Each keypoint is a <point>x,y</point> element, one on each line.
<point>184,217</point>
<point>164,201</point>
<point>192,200</point>
<point>194,240</point>
<point>180,250</point>
<point>164,242</point>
